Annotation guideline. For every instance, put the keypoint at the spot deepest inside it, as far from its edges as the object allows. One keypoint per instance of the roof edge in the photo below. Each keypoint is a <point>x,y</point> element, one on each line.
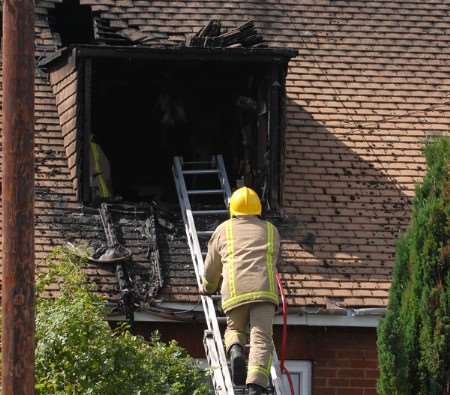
<point>267,54</point>
<point>191,312</point>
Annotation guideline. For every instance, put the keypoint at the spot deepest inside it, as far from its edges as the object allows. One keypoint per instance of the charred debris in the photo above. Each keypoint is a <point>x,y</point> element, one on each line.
<point>133,241</point>
<point>212,35</point>
<point>73,23</point>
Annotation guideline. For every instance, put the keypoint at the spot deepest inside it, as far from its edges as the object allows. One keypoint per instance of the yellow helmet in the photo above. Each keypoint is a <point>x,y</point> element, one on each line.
<point>245,201</point>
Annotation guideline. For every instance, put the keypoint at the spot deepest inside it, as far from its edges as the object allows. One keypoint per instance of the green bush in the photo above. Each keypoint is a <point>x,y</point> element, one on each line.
<point>78,353</point>
<point>414,337</point>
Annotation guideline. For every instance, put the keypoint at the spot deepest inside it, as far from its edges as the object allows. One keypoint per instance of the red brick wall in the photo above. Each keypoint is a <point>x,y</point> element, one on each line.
<point>189,335</point>
<point>344,359</point>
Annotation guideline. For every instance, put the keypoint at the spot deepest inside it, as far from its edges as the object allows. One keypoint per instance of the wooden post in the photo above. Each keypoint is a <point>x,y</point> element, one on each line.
<point>84,176</point>
<point>274,128</point>
<point>18,198</point>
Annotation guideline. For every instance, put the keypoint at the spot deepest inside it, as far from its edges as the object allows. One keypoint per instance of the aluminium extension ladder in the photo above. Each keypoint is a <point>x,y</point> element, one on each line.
<point>212,339</point>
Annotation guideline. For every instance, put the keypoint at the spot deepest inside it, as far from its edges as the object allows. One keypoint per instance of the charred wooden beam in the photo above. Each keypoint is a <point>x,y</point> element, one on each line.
<point>210,36</point>
<point>211,29</point>
<point>126,293</point>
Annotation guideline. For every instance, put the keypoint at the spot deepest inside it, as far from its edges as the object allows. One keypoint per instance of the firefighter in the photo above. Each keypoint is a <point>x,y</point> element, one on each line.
<point>244,252</point>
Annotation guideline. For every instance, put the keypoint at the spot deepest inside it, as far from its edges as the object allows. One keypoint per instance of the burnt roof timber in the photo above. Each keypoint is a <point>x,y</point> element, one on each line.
<point>268,55</point>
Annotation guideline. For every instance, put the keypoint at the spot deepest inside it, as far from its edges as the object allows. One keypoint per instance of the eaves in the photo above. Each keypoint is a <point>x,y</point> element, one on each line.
<point>269,55</point>
<point>170,312</point>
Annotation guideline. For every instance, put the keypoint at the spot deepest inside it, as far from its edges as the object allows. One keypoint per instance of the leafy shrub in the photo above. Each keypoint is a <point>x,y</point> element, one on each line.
<point>78,353</point>
<point>414,337</point>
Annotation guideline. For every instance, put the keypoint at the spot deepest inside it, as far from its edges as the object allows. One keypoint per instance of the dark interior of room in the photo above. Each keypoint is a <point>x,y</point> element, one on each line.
<point>146,112</point>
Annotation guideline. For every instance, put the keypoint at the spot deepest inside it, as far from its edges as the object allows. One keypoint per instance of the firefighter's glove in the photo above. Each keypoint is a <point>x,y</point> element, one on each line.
<point>206,288</point>
<point>203,291</point>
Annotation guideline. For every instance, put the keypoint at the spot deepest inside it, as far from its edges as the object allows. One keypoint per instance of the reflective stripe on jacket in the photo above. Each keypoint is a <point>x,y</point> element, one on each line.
<point>244,250</point>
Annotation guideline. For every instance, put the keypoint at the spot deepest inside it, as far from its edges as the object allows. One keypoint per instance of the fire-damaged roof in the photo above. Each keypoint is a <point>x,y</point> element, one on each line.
<point>370,85</point>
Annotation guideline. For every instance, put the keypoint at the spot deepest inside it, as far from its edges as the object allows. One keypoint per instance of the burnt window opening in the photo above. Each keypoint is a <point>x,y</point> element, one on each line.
<point>142,113</point>
<point>72,22</point>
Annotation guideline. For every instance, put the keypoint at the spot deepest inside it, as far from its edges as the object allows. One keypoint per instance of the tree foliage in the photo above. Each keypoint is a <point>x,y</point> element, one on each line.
<point>414,337</point>
<point>78,353</point>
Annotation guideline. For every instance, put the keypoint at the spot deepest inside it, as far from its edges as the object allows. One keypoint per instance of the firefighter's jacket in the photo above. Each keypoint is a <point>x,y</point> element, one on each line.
<point>244,250</point>
<point>100,172</point>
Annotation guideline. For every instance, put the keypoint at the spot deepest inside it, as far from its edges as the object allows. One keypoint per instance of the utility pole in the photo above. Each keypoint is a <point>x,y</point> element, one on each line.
<point>18,198</point>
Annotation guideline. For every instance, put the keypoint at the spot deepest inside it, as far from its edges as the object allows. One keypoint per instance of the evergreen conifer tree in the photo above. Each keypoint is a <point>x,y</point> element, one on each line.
<point>414,337</point>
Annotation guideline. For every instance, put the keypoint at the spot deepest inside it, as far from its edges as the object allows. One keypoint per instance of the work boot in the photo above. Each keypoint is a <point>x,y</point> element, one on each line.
<point>255,389</point>
<point>237,362</point>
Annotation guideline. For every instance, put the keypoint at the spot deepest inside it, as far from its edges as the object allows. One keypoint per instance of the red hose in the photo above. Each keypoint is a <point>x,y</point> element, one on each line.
<point>283,368</point>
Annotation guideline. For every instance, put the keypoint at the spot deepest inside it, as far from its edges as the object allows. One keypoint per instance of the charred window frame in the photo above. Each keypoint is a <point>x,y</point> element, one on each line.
<point>269,147</point>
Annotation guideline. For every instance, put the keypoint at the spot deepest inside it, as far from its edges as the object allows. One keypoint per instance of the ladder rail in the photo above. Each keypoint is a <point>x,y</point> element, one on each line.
<point>223,377</point>
<point>193,240</point>
<point>224,179</point>
<point>188,219</point>
<point>277,377</point>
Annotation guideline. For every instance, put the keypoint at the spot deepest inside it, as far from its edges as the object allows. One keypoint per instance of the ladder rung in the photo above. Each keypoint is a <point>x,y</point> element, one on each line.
<point>204,191</point>
<point>205,233</point>
<point>209,212</point>
<point>204,162</point>
<point>209,171</point>
<point>240,390</point>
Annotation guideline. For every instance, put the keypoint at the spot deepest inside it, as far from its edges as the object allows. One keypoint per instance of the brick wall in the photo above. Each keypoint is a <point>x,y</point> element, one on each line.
<point>344,359</point>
